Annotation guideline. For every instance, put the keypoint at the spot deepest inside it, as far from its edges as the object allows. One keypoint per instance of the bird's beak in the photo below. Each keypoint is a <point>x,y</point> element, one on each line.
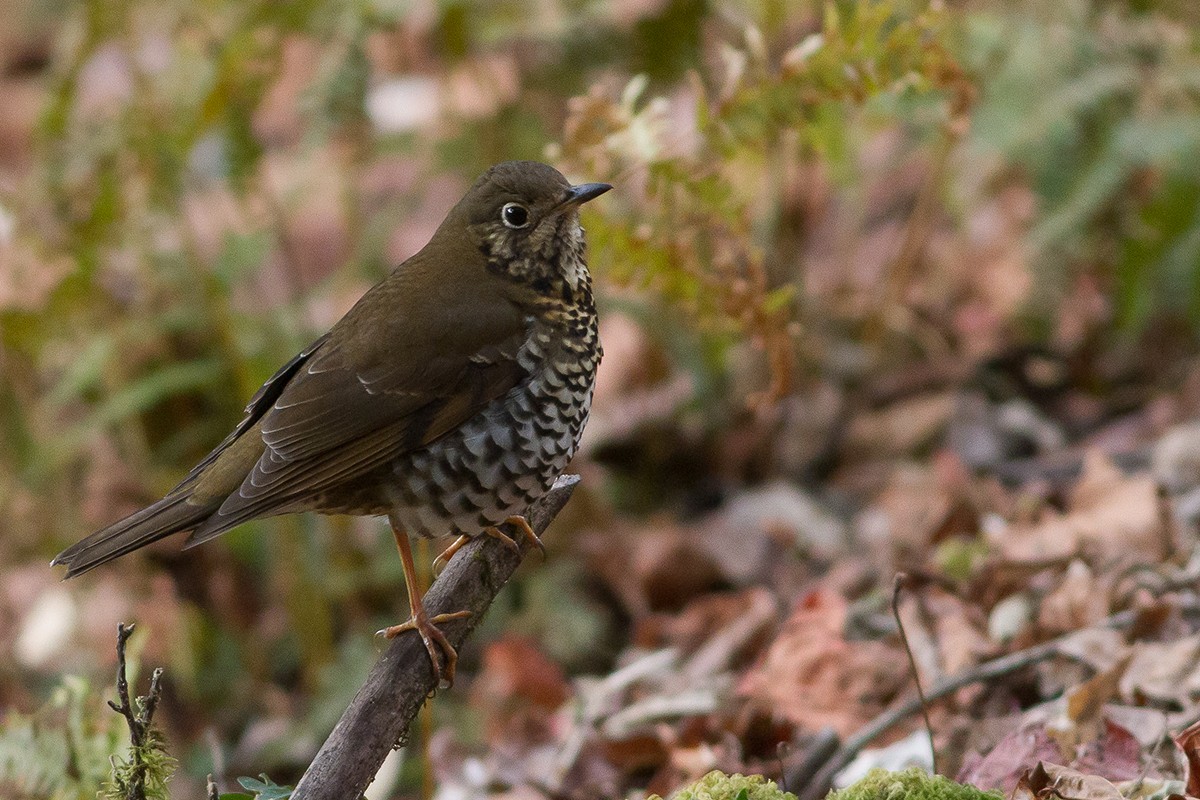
<point>578,195</point>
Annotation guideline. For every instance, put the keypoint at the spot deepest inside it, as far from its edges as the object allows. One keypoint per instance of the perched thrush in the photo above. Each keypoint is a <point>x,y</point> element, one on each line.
<point>448,398</point>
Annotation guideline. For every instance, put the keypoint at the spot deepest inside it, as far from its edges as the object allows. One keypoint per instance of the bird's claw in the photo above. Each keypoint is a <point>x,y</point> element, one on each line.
<point>443,559</point>
<point>433,639</point>
<point>526,530</point>
<point>503,537</point>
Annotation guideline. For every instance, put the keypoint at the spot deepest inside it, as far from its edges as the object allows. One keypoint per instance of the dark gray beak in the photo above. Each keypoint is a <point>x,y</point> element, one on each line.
<point>578,195</point>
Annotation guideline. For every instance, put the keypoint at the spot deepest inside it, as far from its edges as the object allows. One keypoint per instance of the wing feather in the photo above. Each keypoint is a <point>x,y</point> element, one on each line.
<point>327,426</point>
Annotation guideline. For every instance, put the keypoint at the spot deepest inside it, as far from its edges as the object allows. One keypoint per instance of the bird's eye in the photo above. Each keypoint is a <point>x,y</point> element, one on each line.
<point>514,215</point>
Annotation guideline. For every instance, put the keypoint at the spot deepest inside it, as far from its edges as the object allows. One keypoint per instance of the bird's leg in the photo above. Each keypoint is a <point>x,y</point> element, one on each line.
<point>420,622</point>
<point>522,525</point>
<point>443,560</point>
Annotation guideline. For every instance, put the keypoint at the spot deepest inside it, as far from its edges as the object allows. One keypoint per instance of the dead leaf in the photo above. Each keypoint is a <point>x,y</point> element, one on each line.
<point>907,513</point>
<point>1115,755</point>
<point>812,676</point>
<point>957,631</point>
<point>1048,780</point>
<point>671,569</point>
<point>517,688</point>
<point>698,621</point>
<point>902,427</point>
<point>1004,764</point>
<point>1079,601</point>
<point>1164,672</point>
<point>1082,718</point>
<point>1188,741</point>
<point>1113,516</point>
<point>1099,648</point>
<point>1086,701</point>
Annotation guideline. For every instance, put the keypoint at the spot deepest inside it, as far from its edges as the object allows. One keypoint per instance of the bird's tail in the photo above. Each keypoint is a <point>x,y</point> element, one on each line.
<point>172,514</point>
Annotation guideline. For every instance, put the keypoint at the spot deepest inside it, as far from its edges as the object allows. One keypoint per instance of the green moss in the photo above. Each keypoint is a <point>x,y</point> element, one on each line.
<point>911,784</point>
<point>878,784</point>
<point>717,785</point>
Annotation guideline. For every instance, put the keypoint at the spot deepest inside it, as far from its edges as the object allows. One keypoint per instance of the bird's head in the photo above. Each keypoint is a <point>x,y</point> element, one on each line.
<point>523,216</point>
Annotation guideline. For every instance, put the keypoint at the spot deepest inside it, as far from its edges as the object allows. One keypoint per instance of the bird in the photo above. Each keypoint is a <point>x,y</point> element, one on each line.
<point>448,398</point>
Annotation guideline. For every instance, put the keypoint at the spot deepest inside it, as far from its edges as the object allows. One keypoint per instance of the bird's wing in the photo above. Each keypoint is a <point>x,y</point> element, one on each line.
<point>348,409</point>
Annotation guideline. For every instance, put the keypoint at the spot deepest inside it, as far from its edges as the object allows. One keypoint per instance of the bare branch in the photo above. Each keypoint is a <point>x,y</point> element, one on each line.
<point>131,779</point>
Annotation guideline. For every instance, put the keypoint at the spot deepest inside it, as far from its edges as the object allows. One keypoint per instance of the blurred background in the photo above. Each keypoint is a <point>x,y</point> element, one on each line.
<point>878,282</point>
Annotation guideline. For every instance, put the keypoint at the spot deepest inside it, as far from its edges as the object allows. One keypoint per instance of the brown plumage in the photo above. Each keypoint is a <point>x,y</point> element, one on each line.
<point>448,398</point>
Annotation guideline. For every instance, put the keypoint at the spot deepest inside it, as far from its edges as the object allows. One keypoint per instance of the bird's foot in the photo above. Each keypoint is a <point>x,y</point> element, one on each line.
<point>443,560</point>
<point>507,540</point>
<point>433,639</point>
<point>526,531</point>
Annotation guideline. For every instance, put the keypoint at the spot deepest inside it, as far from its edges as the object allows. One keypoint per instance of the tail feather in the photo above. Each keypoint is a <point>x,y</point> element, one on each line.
<point>172,514</point>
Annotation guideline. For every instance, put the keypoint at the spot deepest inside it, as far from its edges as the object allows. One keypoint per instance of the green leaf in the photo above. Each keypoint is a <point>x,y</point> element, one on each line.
<point>266,789</point>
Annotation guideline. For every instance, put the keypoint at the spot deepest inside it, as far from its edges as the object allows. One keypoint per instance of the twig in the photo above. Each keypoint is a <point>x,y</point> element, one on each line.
<point>989,670</point>
<point>138,719</point>
<point>897,587</point>
<point>125,709</point>
<point>395,689</point>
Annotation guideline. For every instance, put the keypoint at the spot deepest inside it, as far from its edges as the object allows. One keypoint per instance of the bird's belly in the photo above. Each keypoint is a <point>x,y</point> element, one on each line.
<point>494,465</point>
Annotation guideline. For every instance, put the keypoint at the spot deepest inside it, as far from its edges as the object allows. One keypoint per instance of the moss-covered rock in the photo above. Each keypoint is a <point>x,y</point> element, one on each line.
<point>716,785</point>
<point>911,784</point>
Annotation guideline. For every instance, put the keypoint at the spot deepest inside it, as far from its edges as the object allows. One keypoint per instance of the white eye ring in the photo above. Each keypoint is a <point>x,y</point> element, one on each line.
<point>514,215</point>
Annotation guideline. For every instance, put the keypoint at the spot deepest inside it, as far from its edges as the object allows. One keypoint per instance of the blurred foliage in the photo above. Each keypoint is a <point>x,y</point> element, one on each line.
<point>713,217</point>
<point>71,730</point>
<point>211,183</point>
<point>1098,106</point>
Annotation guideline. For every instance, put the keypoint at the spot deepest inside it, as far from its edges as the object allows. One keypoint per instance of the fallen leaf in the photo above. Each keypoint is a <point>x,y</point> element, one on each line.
<point>1052,780</point>
<point>957,631</point>
<point>1082,720</point>
<point>903,427</point>
<point>1188,741</point>
<point>1099,648</point>
<point>1115,755</point>
<point>1113,516</point>
<point>517,688</point>
<point>907,514</point>
<point>1164,672</point>
<point>1079,601</point>
<point>671,569</point>
<point>812,676</point>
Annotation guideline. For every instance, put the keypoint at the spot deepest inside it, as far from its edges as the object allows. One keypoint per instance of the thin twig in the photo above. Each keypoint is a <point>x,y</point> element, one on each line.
<point>897,587</point>
<point>138,716</point>
<point>125,709</point>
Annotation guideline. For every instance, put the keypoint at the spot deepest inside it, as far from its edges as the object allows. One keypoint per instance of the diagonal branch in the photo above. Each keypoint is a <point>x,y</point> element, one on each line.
<point>398,684</point>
